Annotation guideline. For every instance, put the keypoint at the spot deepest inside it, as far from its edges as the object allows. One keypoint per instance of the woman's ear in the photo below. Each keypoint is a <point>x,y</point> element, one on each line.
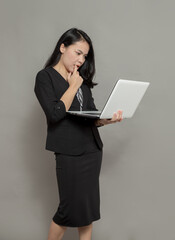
<point>62,48</point>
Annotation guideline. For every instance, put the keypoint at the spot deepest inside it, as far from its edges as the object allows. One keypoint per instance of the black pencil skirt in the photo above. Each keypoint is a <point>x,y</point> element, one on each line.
<point>78,188</point>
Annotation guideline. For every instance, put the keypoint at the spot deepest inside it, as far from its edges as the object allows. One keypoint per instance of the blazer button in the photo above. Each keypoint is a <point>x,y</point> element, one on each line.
<point>58,107</point>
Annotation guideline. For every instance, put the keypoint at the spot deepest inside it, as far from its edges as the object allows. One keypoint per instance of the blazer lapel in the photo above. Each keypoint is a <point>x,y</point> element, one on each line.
<point>60,85</point>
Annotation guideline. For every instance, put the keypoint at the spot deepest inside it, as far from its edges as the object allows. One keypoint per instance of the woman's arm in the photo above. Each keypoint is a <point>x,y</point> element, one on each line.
<point>117,117</point>
<point>52,106</point>
<point>75,81</point>
<point>99,123</point>
<point>55,108</point>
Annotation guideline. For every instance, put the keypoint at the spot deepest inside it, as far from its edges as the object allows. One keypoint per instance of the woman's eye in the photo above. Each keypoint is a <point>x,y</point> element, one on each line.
<point>78,53</point>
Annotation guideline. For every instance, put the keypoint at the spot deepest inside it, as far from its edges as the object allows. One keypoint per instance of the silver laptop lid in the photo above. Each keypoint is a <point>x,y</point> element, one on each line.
<point>125,96</point>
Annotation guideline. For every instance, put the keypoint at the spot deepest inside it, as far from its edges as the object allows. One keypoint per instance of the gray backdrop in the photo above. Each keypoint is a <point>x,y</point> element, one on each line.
<point>133,39</point>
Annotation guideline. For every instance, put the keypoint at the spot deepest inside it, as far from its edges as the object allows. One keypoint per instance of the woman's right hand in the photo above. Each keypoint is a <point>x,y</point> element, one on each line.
<point>74,79</point>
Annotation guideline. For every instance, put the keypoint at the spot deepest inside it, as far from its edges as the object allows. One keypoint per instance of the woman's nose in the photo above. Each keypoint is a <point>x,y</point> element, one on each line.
<point>81,59</point>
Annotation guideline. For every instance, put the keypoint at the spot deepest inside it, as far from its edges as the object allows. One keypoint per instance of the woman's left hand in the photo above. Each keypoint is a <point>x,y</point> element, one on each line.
<point>117,117</point>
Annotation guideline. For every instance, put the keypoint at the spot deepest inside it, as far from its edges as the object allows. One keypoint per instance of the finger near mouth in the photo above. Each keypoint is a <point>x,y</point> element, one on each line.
<point>76,66</point>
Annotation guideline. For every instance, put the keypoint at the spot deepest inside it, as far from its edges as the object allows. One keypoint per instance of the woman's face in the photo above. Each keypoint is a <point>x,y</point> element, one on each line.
<point>74,55</point>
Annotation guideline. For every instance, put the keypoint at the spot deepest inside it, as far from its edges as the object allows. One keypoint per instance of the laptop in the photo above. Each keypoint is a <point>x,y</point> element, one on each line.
<point>126,96</point>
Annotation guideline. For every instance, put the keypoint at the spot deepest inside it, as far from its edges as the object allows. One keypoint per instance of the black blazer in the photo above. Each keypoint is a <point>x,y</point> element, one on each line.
<point>65,133</point>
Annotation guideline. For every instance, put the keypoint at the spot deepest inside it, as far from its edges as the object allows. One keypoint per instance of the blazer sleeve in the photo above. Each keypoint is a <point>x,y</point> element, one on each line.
<point>53,107</point>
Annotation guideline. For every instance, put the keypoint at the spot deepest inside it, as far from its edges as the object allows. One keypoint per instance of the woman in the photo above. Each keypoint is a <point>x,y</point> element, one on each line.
<point>65,84</point>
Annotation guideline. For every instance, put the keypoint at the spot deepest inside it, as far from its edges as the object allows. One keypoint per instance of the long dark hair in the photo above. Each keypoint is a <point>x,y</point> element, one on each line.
<point>71,36</point>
